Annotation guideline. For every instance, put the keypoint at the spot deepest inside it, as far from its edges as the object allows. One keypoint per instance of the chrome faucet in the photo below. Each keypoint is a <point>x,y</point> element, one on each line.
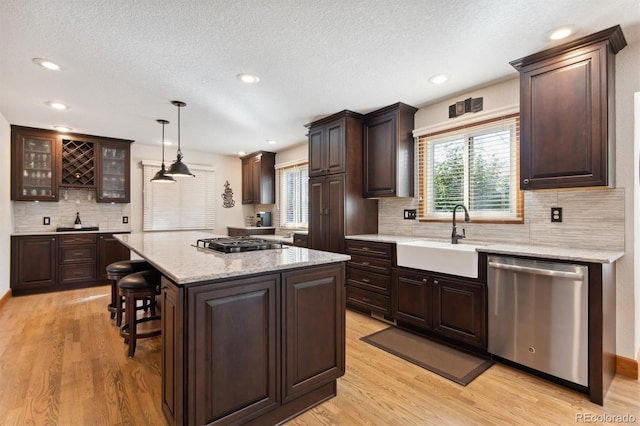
<point>454,233</point>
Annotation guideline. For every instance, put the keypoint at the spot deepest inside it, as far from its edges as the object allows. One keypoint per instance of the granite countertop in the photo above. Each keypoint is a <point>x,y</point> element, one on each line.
<point>173,254</point>
<point>547,252</point>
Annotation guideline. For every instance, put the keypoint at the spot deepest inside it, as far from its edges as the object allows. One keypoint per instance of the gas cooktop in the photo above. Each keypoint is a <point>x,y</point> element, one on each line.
<point>237,244</point>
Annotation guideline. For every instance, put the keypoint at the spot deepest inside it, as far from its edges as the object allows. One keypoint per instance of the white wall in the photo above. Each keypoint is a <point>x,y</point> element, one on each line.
<point>6,210</point>
<point>226,168</point>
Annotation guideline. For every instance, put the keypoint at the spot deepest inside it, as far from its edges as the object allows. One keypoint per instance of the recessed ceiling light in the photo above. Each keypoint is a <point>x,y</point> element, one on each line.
<point>63,129</point>
<point>439,78</point>
<point>271,141</point>
<point>248,78</point>
<point>46,64</point>
<point>561,33</point>
<point>57,105</point>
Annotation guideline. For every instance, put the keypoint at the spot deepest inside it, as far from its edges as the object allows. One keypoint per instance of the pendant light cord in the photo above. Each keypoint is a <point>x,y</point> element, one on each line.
<point>179,150</point>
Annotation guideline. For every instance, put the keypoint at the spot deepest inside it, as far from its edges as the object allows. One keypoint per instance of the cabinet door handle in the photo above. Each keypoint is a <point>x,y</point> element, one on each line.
<point>435,282</point>
<point>366,299</point>
<point>365,263</point>
<point>525,181</point>
<point>365,249</point>
<point>365,280</point>
<point>424,280</point>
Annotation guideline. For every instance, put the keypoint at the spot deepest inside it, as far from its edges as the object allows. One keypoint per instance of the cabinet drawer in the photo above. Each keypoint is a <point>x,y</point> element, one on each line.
<point>368,280</point>
<point>368,300</point>
<point>380,266</point>
<point>79,272</point>
<point>78,239</point>
<point>300,240</point>
<point>370,248</point>
<point>78,254</point>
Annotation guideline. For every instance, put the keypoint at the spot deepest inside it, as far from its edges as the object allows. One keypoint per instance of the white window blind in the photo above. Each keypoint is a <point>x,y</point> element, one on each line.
<point>475,166</point>
<point>187,204</point>
<point>294,195</point>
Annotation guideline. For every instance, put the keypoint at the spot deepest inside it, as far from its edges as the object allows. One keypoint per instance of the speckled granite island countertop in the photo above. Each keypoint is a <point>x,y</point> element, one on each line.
<point>174,255</point>
<point>547,252</point>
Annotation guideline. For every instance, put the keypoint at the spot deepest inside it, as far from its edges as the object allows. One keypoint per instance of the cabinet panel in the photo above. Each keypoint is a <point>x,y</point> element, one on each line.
<point>368,281</point>
<point>313,329</point>
<point>567,113</point>
<point>232,348</point>
<point>316,151</point>
<point>80,272</point>
<point>368,300</point>
<point>380,266</point>
<point>460,311</point>
<point>412,300</point>
<point>370,248</point>
<point>78,254</point>
<point>326,213</point>
<point>258,178</point>
<point>34,156</point>
<point>335,148</point>
<point>109,250</point>
<point>172,336</point>
<point>113,173</point>
<point>33,263</point>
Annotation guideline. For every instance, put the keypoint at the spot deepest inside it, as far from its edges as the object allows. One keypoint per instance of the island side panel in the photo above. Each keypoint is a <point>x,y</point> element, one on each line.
<point>172,351</point>
<point>313,320</point>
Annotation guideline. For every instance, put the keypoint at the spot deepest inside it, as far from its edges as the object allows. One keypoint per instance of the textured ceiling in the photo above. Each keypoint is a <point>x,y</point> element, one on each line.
<point>124,61</point>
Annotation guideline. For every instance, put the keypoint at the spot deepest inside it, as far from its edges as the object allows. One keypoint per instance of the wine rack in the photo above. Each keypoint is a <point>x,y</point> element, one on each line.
<point>78,165</point>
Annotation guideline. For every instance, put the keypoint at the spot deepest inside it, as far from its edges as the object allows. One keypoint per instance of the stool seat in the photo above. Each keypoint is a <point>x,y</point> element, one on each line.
<point>133,287</point>
<point>115,271</point>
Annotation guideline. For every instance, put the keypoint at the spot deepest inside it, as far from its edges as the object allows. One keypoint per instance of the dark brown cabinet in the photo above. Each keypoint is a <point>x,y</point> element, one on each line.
<point>300,239</point>
<point>34,263</point>
<point>109,250</point>
<point>326,213</point>
<point>459,310</point>
<point>336,205</point>
<point>368,282</point>
<point>259,178</point>
<point>256,349</point>
<point>46,263</point>
<point>34,164</point>
<point>388,152</point>
<point>43,161</point>
<point>449,307</point>
<point>567,113</point>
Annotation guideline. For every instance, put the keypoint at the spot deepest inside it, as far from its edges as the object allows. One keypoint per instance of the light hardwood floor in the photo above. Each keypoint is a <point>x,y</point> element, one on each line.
<point>63,363</point>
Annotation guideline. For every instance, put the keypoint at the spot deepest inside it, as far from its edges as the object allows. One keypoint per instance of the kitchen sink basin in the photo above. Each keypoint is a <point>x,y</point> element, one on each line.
<point>436,256</point>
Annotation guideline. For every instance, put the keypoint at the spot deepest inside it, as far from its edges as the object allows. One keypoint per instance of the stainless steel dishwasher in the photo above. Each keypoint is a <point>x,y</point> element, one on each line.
<point>538,315</point>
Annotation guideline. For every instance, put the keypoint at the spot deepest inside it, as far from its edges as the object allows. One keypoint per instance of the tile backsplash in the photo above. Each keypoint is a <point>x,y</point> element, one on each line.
<point>592,219</point>
<point>28,215</point>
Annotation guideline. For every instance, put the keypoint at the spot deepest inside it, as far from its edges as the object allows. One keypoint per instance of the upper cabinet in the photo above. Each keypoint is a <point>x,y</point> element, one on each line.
<point>34,164</point>
<point>567,113</point>
<point>328,139</point>
<point>44,161</point>
<point>259,178</point>
<point>388,152</point>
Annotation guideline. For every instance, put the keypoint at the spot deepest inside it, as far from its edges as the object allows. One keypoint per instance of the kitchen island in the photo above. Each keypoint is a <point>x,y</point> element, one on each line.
<point>247,338</point>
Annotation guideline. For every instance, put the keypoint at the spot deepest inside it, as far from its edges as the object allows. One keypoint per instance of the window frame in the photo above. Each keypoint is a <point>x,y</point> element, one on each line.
<point>283,203</point>
<point>462,132</point>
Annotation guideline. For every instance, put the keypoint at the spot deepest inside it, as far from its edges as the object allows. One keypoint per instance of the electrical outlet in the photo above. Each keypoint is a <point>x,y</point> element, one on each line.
<point>410,214</point>
<point>46,220</point>
<point>556,214</point>
<point>125,219</point>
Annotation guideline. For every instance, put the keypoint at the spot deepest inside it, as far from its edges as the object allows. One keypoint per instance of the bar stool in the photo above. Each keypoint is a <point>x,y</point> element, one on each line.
<point>138,286</point>
<point>115,272</point>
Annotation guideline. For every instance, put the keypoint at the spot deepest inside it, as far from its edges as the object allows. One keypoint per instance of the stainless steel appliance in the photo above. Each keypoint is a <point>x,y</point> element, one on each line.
<point>237,244</point>
<point>264,219</point>
<point>538,315</point>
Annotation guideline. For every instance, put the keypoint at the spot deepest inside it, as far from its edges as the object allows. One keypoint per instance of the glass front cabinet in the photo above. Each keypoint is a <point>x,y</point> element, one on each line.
<point>113,174</point>
<point>35,157</point>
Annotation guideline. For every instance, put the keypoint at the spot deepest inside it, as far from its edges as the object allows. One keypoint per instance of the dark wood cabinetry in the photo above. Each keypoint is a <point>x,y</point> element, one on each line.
<point>46,263</point>
<point>44,161</point>
<point>447,306</point>
<point>34,263</point>
<point>388,152</point>
<point>369,276</point>
<point>256,349</point>
<point>300,239</point>
<point>567,113</point>
<point>336,205</point>
<point>259,178</point>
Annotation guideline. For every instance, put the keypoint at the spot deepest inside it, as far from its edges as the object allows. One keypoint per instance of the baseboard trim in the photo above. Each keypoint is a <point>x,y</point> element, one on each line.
<point>627,367</point>
<point>5,297</point>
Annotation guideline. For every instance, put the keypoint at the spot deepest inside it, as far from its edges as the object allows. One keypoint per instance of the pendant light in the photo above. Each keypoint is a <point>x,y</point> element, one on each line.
<point>161,176</point>
<point>178,168</point>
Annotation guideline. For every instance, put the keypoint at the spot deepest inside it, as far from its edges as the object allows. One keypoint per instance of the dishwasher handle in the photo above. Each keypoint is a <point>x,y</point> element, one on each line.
<point>537,271</point>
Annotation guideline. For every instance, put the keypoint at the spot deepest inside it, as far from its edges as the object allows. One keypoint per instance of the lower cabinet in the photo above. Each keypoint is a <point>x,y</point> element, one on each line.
<point>34,264</point>
<point>257,349</point>
<point>453,308</point>
<point>52,262</point>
